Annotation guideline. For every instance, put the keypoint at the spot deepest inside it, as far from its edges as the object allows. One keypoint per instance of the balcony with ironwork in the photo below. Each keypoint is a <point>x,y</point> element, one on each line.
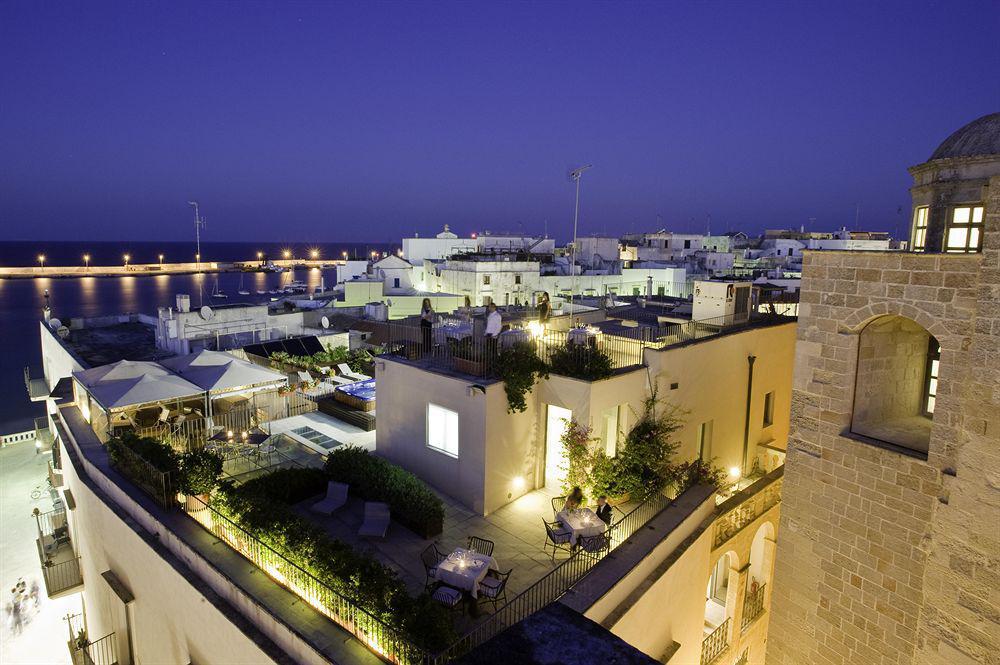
<point>715,643</point>
<point>753,606</point>
<point>60,563</point>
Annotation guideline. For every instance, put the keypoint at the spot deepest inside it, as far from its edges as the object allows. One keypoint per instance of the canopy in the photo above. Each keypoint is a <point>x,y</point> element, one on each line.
<point>131,383</point>
<point>217,370</point>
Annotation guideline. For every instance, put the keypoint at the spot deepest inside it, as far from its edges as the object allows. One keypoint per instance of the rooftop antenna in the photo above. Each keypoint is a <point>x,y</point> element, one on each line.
<point>575,176</point>
<point>199,223</point>
<point>708,227</point>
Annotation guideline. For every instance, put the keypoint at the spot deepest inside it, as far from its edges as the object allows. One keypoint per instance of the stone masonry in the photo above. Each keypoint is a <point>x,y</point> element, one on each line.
<point>887,556</point>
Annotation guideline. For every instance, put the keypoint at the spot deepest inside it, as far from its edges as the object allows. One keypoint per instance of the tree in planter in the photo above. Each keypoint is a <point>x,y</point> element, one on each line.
<point>644,463</point>
<point>576,444</point>
<point>200,473</point>
<point>581,361</point>
<point>518,367</point>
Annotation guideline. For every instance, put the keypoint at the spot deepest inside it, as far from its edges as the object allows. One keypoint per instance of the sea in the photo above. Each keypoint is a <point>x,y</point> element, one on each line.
<point>22,300</point>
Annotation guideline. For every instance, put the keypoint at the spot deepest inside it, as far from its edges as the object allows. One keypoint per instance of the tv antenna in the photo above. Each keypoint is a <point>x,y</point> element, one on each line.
<point>199,224</point>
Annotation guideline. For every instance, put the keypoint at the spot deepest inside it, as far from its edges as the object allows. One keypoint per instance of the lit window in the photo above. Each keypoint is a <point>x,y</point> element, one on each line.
<point>931,382</point>
<point>965,230</point>
<point>920,228</point>
<point>442,430</point>
<point>705,440</point>
<point>769,409</point>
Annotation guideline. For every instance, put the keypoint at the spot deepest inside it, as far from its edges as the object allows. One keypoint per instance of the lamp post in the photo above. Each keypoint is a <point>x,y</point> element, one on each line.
<point>344,253</point>
<point>126,257</point>
<point>287,254</point>
<point>161,261</point>
<point>575,175</point>
<point>260,257</point>
<point>197,260</point>
<point>86,262</point>
<point>314,254</point>
<point>41,261</point>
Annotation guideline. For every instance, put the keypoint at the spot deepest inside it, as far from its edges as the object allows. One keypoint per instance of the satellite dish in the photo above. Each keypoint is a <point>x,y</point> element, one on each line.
<point>54,323</point>
<point>325,322</point>
<point>206,313</point>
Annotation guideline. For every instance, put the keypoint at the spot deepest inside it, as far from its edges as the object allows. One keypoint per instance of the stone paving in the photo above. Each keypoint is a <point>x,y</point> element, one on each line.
<point>43,638</point>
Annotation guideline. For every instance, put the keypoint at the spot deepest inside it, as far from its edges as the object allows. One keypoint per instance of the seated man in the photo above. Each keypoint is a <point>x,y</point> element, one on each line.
<point>604,510</point>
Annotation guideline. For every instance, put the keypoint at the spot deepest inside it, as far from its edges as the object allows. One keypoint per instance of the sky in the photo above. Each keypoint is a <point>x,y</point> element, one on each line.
<point>335,121</point>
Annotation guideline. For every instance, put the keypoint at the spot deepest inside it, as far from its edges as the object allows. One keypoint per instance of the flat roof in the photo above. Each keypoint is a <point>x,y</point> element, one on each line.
<point>104,345</point>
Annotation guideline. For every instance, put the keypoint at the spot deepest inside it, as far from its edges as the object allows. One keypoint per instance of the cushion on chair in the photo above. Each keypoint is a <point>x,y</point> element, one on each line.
<point>447,596</point>
<point>561,536</point>
<point>490,586</point>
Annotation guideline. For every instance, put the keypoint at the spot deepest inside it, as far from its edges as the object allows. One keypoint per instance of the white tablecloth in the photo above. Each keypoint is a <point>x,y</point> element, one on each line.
<point>448,331</point>
<point>468,576</point>
<point>582,523</point>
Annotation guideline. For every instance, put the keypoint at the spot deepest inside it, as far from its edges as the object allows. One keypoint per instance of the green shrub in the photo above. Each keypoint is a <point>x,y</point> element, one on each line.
<point>411,501</point>
<point>580,361</point>
<point>157,453</point>
<point>518,368</point>
<point>258,507</point>
<point>200,472</point>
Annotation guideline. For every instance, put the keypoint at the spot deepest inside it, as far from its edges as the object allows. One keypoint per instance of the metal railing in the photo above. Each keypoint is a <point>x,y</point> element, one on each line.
<point>753,606</point>
<point>748,504</point>
<point>36,387</point>
<point>60,577</point>
<point>161,486</point>
<point>51,524</point>
<point>374,633</point>
<point>555,583</point>
<point>101,652</point>
<point>717,642</point>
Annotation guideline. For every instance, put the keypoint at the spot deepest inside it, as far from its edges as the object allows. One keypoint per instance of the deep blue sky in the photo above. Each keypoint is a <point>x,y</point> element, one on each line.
<point>334,121</point>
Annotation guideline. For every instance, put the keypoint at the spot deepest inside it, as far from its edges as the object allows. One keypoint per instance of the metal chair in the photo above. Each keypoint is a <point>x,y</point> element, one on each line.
<point>557,504</point>
<point>493,588</point>
<point>557,537</point>
<point>448,596</point>
<point>431,558</point>
<point>481,545</point>
<point>594,544</point>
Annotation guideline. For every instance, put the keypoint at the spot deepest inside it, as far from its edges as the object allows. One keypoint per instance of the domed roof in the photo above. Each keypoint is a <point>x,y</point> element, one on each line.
<point>979,137</point>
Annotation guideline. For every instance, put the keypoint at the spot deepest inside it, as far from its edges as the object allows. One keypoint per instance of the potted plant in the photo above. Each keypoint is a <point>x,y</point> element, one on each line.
<point>518,367</point>
<point>199,475</point>
<point>81,640</point>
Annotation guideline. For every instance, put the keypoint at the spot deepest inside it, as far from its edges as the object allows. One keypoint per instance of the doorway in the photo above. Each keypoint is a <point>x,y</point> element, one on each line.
<point>555,466</point>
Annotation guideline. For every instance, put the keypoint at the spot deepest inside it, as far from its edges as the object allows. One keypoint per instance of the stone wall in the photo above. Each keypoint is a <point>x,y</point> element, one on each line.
<point>892,358</point>
<point>887,557</point>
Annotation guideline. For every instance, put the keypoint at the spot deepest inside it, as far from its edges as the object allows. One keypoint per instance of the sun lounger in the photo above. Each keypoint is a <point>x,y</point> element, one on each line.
<point>336,497</point>
<point>345,370</point>
<point>376,521</point>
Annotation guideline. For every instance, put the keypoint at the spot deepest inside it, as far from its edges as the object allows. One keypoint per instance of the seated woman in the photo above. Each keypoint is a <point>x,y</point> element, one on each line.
<point>574,500</point>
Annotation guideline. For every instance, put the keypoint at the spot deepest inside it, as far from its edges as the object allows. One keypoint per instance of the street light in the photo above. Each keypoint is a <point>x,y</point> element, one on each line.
<point>575,175</point>
<point>126,257</point>
<point>41,261</point>
<point>86,261</point>
<point>161,260</point>
<point>314,254</point>
<point>260,256</point>
<point>287,254</point>
<point>197,259</point>
<point>345,255</point>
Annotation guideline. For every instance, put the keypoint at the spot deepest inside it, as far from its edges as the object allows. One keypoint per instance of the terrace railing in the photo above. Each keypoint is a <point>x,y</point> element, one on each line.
<point>101,652</point>
<point>753,606</point>
<point>377,635</point>
<point>717,642</point>
<point>556,583</point>
<point>748,504</point>
<point>160,485</point>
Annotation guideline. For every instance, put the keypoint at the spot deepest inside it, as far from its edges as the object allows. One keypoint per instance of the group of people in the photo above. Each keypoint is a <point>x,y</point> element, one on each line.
<point>22,604</point>
<point>494,322</point>
<point>603,510</point>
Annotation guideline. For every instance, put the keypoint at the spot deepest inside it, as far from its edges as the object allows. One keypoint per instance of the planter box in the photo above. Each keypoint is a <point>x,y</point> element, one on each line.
<point>471,367</point>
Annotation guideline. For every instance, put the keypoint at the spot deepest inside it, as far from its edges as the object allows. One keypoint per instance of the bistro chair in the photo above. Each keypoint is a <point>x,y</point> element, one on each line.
<point>494,587</point>
<point>557,537</point>
<point>558,502</point>
<point>431,558</point>
<point>594,544</point>
<point>481,545</point>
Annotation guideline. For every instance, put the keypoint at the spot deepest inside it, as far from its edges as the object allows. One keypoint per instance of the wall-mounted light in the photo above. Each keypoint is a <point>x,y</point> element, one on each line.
<point>474,387</point>
<point>734,472</point>
<point>518,483</point>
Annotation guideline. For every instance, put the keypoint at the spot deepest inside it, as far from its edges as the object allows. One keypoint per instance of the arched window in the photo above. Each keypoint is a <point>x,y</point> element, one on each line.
<point>897,383</point>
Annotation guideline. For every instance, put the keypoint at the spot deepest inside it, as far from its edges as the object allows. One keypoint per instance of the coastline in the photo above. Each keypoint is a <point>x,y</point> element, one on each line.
<point>153,269</point>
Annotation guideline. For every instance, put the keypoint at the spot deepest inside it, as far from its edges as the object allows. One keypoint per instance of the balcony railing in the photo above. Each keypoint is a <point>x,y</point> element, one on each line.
<point>557,582</point>
<point>748,504</point>
<point>103,651</point>
<point>161,486</point>
<point>717,642</point>
<point>34,384</point>
<point>61,578</point>
<point>753,606</point>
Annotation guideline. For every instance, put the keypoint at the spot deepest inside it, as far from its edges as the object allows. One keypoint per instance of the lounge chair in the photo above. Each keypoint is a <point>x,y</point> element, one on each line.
<point>345,370</point>
<point>376,521</point>
<point>305,377</point>
<point>337,378</point>
<point>336,497</point>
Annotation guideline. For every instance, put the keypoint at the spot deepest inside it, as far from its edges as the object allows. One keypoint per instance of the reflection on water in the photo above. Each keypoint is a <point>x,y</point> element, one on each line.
<point>21,303</point>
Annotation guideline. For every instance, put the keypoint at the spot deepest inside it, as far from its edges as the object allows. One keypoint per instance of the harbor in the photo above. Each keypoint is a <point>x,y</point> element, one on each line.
<point>127,269</point>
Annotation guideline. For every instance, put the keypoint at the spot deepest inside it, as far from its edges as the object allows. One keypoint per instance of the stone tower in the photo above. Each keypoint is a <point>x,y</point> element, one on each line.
<point>890,548</point>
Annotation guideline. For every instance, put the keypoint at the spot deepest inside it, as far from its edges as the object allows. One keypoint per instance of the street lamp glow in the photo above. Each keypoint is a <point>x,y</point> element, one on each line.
<point>313,253</point>
<point>161,259</point>
<point>86,261</point>
<point>260,256</point>
<point>41,261</point>
<point>126,257</point>
<point>345,255</point>
<point>287,254</point>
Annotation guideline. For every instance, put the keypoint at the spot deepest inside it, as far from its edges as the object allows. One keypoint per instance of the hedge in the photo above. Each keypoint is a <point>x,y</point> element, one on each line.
<point>411,501</point>
<point>259,507</point>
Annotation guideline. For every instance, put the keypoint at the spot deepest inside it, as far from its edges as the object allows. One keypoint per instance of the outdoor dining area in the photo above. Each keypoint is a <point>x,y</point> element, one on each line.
<point>467,575</point>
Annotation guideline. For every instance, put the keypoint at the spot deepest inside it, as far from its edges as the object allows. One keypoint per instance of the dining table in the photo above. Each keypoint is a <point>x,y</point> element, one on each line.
<point>581,522</point>
<point>465,569</point>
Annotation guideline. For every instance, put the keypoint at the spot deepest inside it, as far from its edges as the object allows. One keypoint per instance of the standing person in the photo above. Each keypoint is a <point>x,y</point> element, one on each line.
<point>465,311</point>
<point>426,321</point>
<point>544,309</point>
<point>493,321</point>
